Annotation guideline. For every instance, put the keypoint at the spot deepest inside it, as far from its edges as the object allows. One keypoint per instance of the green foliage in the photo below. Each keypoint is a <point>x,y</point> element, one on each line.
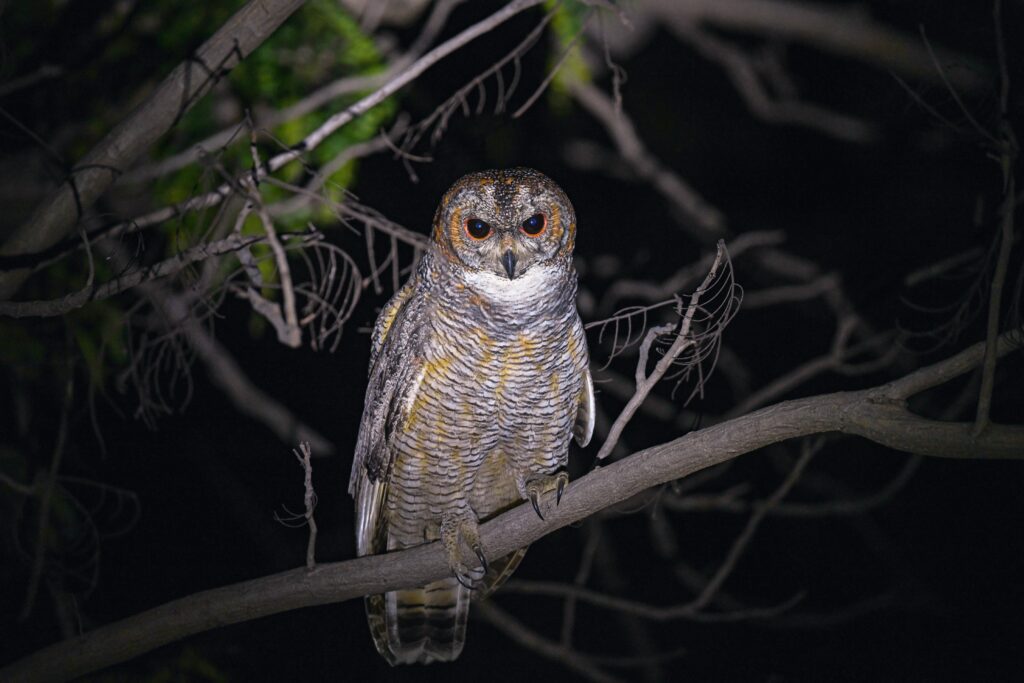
<point>321,43</point>
<point>566,28</point>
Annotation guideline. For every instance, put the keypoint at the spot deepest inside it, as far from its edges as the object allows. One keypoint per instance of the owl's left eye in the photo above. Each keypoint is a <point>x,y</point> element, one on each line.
<point>534,225</point>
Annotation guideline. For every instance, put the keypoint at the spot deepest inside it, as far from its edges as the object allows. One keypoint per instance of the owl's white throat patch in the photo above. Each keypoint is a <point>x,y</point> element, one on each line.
<point>530,285</point>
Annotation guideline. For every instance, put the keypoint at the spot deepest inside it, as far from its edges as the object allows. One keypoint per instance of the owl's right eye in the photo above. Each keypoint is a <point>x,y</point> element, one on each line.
<point>477,229</point>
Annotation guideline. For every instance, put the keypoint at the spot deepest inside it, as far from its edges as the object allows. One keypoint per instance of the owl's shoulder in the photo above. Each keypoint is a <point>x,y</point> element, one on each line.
<point>408,307</point>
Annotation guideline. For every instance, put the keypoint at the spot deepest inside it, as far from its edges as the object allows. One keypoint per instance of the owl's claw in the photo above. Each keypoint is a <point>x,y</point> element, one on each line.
<point>480,556</point>
<point>538,485</point>
<point>465,579</point>
<point>535,499</point>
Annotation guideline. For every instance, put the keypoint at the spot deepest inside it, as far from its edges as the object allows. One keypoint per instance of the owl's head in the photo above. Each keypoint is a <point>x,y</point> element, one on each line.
<point>505,222</point>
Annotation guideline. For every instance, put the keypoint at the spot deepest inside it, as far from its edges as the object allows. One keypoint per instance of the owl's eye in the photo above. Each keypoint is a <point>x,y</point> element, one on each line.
<point>534,225</point>
<point>477,229</point>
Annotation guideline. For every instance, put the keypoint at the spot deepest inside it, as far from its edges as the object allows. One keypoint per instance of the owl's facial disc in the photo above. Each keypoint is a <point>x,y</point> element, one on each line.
<point>505,223</point>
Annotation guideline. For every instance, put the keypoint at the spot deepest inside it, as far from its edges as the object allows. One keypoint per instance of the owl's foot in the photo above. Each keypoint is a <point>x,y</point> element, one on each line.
<point>457,529</point>
<point>539,484</point>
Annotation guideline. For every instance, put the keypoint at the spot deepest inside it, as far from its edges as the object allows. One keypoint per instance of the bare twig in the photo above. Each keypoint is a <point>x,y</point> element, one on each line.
<point>745,79</point>
<point>662,409</point>
<point>838,29</point>
<point>404,78</point>
<point>170,266</point>
<point>351,210</point>
<point>582,574</point>
<point>529,639</point>
<point>688,611</point>
<point>43,73</point>
<point>835,359</point>
<point>567,52</point>
<point>439,118</point>
<point>942,267</point>
<point>17,486</point>
<point>786,294</point>
<point>289,333</point>
<point>740,543</point>
<point>309,500</point>
<point>730,502</point>
<point>995,304</point>
<point>703,220</point>
<point>176,316</point>
<point>305,196</point>
<point>1007,146</point>
<point>682,341</point>
<point>623,288</point>
<point>45,500</point>
<point>942,72</point>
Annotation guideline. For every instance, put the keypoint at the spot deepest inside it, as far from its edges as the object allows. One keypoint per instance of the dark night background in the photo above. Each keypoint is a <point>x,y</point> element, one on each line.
<point>927,586</point>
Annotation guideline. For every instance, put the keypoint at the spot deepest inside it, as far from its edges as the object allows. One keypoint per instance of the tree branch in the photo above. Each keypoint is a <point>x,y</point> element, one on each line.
<point>845,30</point>
<point>169,266</point>
<point>316,99</point>
<point>514,629</point>
<point>704,221</point>
<point>187,84</point>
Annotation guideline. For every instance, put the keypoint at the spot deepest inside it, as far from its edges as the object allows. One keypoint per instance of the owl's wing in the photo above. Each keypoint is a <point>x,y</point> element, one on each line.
<point>387,318</point>
<point>583,428</point>
<point>394,371</point>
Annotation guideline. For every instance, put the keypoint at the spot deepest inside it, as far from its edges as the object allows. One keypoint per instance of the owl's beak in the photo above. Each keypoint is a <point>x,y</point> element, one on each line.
<point>509,261</point>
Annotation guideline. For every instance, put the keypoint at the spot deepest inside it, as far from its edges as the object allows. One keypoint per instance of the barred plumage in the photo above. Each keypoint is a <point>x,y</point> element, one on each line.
<point>479,377</point>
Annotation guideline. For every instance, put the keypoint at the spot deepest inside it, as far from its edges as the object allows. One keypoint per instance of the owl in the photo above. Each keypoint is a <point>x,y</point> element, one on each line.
<point>479,378</point>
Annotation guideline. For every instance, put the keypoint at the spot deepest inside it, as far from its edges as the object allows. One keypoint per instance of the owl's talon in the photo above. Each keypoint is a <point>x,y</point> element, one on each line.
<point>467,583</point>
<point>480,556</point>
<point>540,484</point>
<point>469,578</point>
<point>535,499</point>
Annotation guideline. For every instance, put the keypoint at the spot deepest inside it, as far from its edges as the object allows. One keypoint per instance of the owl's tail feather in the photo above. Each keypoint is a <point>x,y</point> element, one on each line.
<point>424,625</point>
<point>420,625</point>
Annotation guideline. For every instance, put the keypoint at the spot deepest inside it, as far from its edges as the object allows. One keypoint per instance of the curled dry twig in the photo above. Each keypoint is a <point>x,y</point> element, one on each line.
<point>170,329</point>
<point>437,121</point>
<point>693,346</point>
